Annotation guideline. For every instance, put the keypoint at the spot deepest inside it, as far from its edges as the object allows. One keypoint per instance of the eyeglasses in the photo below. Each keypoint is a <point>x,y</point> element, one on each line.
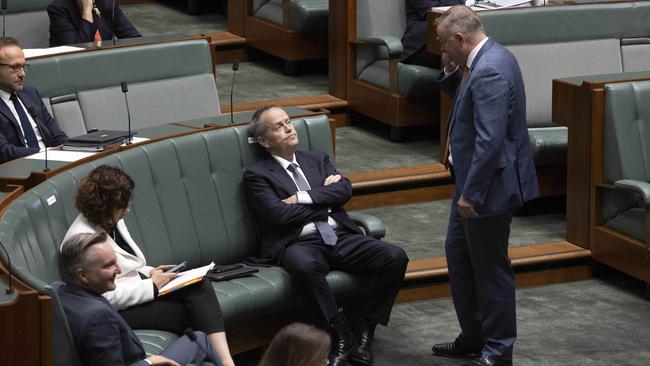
<point>16,67</point>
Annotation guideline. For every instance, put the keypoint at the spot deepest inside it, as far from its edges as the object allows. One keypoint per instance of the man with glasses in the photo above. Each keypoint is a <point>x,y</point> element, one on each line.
<point>26,126</point>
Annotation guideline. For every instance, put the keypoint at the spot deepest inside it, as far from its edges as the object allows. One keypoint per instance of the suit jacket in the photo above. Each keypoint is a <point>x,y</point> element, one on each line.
<point>67,26</point>
<point>101,335</point>
<point>12,140</point>
<point>415,33</point>
<point>492,161</point>
<point>267,184</point>
<point>130,288</point>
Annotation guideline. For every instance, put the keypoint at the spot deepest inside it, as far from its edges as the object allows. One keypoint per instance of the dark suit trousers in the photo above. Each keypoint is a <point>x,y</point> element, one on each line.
<point>482,281</point>
<point>184,351</point>
<point>383,265</point>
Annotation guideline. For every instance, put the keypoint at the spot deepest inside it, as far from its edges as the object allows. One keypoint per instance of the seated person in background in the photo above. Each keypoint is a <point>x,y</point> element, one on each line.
<point>80,21</point>
<point>26,126</point>
<point>103,198</point>
<point>297,198</point>
<point>414,40</point>
<point>101,336</point>
<point>298,344</point>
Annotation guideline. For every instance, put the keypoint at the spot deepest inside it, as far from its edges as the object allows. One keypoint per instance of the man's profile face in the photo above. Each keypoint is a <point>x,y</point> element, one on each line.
<point>452,44</point>
<point>11,80</point>
<point>99,275</point>
<point>280,135</point>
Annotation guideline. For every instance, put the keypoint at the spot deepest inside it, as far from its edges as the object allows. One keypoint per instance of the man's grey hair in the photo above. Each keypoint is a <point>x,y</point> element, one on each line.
<point>257,127</point>
<point>74,253</point>
<point>460,18</point>
<point>8,41</point>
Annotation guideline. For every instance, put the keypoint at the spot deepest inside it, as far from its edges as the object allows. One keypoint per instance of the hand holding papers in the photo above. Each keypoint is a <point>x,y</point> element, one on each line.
<point>185,279</point>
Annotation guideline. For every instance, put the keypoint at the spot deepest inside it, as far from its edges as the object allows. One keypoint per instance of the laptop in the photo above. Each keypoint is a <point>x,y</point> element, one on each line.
<point>96,140</point>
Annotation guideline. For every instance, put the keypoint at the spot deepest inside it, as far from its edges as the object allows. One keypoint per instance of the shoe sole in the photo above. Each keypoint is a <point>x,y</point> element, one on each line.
<point>470,355</point>
<point>360,361</point>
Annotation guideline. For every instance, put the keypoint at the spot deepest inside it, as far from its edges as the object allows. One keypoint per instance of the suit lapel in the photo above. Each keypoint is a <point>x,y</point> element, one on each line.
<point>4,109</point>
<point>280,174</point>
<point>309,169</point>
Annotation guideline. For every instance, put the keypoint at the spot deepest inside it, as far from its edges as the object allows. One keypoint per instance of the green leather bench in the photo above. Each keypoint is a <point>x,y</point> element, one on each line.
<point>27,21</point>
<point>303,15</point>
<point>82,90</point>
<point>189,204</point>
<point>562,41</point>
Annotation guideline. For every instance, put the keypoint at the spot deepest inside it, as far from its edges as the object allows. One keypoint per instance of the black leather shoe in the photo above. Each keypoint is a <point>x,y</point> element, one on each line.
<point>488,361</point>
<point>342,342</point>
<point>362,354</point>
<point>454,350</point>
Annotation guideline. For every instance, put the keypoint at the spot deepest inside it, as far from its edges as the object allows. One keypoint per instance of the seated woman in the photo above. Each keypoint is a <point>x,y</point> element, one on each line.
<point>298,344</point>
<point>414,39</point>
<point>103,198</point>
<point>80,21</point>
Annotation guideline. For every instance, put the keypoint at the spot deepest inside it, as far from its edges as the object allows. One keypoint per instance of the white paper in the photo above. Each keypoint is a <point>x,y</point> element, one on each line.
<point>36,52</point>
<point>135,140</point>
<point>61,155</point>
<point>187,276</point>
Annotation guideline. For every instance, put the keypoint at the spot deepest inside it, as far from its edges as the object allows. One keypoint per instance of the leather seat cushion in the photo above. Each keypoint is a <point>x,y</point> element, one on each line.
<point>414,80</point>
<point>548,145</point>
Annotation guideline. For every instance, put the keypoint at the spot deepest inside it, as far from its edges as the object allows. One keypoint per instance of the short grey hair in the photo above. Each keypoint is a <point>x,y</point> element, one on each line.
<point>74,253</point>
<point>257,127</point>
<point>460,18</point>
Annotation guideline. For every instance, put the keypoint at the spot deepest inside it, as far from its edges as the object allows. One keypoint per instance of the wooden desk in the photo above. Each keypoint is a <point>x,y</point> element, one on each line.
<point>574,105</point>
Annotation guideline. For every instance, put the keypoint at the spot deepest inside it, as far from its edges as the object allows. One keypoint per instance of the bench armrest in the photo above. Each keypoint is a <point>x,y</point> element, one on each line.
<point>370,224</point>
<point>635,186</point>
<point>392,44</point>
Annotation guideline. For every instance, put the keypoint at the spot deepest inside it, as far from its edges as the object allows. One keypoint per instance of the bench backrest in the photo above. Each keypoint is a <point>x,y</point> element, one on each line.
<point>27,21</point>
<point>189,202</point>
<point>167,82</point>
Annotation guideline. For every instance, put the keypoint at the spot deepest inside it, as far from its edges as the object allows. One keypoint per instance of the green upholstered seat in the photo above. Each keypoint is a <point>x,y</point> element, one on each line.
<point>306,15</point>
<point>627,158</point>
<point>189,203</point>
<point>83,89</point>
<point>27,21</point>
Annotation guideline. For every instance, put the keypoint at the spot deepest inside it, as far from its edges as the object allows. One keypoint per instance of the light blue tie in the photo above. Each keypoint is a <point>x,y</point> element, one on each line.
<point>326,232</point>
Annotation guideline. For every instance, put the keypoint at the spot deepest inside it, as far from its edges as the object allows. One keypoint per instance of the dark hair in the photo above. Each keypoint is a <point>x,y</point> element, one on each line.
<point>8,41</point>
<point>73,252</point>
<point>297,344</point>
<point>105,190</point>
<point>256,127</point>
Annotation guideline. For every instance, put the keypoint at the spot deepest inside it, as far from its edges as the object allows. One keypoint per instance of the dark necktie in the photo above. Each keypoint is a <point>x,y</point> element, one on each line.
<point>445,158</point>
<point>28,131</point>
<point>324,228</point>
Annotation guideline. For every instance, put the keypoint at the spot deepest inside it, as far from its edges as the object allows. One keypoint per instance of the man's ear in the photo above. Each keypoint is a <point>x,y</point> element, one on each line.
<point>80,275</point>
<point>262,141</point>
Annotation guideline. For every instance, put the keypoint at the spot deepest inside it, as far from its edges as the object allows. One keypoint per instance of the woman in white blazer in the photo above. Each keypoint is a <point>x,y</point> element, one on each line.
<point>103,198</point>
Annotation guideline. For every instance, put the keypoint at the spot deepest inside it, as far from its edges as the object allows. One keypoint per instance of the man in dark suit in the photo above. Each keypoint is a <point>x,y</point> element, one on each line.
<point>26,126</point>
<point>101,336</point>
<point>492,164</point>
<point>297,199</point>
<point>414,39</point>
<point>80,21</point>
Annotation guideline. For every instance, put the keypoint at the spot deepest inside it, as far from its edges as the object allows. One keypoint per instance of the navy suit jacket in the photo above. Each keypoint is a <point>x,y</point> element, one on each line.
<point>12,141</point>
<point>267,184</point>
<point>101,335</point>
<point>415,33</point>
<point>67,26</point>
<point>492,161</point>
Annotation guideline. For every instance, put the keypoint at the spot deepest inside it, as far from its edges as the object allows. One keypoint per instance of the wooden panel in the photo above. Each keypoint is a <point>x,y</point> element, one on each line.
<point>398,176</point>
<point>563,102</point>
<point>285,43</point>
<point>401,197</point>
<point>338,48</point>
<point>433,45</point>
<point>236,16</point>
<point>551,180</point>
<point>621,252</point>
<point>310,102</point>
<point>20,335</point>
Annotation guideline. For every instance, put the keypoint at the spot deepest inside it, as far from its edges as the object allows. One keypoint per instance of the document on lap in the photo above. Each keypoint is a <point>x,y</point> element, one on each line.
<point>185,279</point>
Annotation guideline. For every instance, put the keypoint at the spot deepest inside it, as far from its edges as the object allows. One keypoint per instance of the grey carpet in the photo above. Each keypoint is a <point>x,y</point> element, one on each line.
<point>420,228</point>
<point>158,19</point>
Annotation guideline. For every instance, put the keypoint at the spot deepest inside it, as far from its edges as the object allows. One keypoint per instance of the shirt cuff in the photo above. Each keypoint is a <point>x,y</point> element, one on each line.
<point>451,72</point>
<point>304,198</point>
<point>147,361</point>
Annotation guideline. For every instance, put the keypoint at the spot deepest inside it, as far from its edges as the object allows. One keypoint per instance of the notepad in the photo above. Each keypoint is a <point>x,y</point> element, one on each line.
<point>185,279</point>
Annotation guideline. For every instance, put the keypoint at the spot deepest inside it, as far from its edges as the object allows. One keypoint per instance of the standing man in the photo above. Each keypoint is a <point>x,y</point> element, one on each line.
<point>489,156</point>
<point>101,336</point>
<point>26,126</point>
<point>297,198</point>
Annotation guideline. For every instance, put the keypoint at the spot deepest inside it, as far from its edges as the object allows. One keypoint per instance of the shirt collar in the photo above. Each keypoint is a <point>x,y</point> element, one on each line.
<point>284,162</point>
<point>472,55</point>
<point>5,95</point>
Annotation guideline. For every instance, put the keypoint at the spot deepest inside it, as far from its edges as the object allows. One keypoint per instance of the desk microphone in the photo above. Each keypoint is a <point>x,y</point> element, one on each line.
<point>10,289</point>
<point>32,112</point>
<point>190,334</point>
<point>235,67</point>
<point>113,26</point>
<point>125,89</point>
<point>4,14</point>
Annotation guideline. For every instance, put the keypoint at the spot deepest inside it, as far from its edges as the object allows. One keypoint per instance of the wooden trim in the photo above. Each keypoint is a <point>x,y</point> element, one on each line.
<point>325,101</point>
<point>15,192</point>
<point>398,176</point>
<point>398,197</point>
<point>237,10</point>
<point>338,48</point>
<point>622,252</point>
<point>285,43</point>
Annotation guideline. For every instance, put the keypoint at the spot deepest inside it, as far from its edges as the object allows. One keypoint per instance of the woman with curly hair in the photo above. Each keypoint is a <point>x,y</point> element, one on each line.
<point>103,198</point>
